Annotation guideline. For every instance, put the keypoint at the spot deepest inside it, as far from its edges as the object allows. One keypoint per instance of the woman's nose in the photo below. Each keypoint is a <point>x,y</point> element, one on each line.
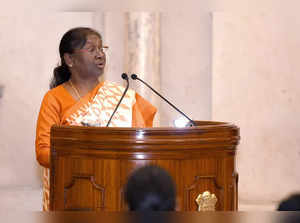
<point>100,53</point>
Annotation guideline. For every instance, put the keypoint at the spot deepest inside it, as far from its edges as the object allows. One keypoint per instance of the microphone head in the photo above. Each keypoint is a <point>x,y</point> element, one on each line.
<point>134,76</point>
<point>124,76</point>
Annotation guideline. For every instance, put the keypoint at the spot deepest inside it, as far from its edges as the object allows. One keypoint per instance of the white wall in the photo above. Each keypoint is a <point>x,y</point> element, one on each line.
<point>255,85</point>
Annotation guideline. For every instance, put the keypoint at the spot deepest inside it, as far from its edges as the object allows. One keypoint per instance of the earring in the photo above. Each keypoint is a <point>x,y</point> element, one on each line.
<point>70,65</point>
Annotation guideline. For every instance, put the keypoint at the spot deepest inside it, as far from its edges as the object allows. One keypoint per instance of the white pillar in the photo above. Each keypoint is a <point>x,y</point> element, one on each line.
<point>142,53</point>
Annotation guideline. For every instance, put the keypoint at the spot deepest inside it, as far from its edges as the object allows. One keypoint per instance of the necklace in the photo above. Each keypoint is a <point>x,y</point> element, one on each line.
<point>74,89</point>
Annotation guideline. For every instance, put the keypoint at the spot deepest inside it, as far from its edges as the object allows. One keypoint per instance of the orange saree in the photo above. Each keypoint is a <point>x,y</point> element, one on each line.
<point>95,108</point>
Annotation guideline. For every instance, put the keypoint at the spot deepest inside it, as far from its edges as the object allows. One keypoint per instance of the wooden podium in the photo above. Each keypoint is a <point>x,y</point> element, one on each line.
<point>89,165</point>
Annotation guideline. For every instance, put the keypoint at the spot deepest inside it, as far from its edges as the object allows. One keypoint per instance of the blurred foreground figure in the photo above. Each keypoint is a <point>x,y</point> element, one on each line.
<point>150,188</point>
<point>292,203</point>
<point>291,206</point>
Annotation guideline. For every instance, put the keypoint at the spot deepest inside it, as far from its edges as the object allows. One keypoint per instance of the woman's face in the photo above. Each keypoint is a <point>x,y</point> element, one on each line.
<point>90,60</point>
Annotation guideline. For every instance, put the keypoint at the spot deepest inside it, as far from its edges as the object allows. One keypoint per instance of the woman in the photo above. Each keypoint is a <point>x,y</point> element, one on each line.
<point>78,98</point>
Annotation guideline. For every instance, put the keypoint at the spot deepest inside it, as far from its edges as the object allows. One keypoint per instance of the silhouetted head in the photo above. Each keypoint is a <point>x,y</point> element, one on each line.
<point>292,203</point>
<point>150,188</point>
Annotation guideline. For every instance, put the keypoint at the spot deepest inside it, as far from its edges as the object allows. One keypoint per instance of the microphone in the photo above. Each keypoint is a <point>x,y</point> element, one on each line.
<point>125,77</point>
<point>135,77</point>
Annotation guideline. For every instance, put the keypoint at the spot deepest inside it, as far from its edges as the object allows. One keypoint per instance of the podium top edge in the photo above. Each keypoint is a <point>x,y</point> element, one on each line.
<point>205,125</point>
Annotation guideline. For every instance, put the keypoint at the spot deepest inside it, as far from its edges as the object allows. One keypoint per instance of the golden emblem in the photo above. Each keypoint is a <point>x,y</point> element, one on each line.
<point>206,201</point>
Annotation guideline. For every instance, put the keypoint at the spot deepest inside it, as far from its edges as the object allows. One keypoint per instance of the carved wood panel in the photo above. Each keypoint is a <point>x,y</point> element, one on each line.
<point>81,190</point>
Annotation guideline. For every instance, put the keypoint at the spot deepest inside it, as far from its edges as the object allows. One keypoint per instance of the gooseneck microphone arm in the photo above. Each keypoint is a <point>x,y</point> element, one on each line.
<point>125,77</point>
<point>135,77</point>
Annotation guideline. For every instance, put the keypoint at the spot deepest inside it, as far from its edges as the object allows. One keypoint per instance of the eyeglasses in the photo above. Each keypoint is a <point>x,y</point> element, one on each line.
<point>95,50</point>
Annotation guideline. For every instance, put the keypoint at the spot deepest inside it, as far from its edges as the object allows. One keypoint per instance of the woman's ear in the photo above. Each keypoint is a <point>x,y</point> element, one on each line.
<point>68,59</point>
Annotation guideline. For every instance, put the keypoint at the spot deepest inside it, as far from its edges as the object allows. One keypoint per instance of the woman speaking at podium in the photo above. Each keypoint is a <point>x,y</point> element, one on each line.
<point>77,97</point>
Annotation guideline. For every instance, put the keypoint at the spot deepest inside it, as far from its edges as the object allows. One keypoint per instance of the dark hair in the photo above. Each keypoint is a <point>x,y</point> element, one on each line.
<point>71,40</point>
<point>150,188</point>
<point>291,206</point>
<point>292,203</point>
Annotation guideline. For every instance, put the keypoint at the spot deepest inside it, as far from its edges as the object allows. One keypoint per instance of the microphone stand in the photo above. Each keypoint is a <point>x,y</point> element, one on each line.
<point>125,77</point>
<point>135,77</point>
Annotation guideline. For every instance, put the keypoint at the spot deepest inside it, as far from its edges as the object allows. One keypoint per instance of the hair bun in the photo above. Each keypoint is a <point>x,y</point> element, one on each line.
<point>61,74</point>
